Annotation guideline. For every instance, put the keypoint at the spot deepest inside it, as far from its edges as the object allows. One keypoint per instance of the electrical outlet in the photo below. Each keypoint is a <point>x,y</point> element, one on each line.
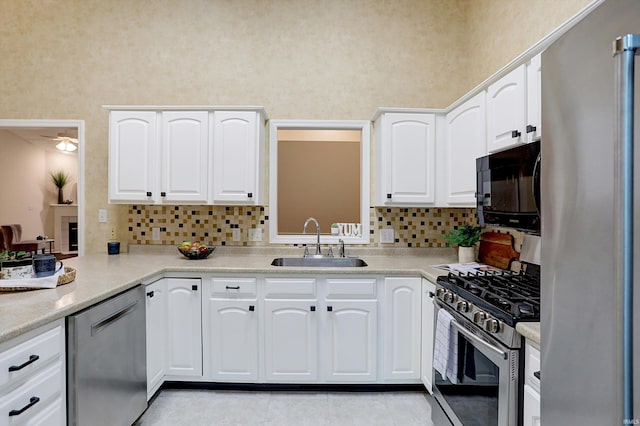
<point>155,234</point>
<point>386,236</point>
<point>113,233</point>
<point>102,215</point>
<point>236,234</point>
<point>255,234</point>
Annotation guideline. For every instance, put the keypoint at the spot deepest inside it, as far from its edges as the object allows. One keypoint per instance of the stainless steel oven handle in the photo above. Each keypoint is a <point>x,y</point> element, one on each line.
<point>478,341</point>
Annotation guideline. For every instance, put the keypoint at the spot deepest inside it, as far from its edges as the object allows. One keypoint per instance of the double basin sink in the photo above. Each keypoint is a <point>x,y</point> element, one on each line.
<point>320,262</point>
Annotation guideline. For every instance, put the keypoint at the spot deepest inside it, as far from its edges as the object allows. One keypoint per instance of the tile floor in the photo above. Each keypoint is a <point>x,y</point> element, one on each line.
<point>174,407</point>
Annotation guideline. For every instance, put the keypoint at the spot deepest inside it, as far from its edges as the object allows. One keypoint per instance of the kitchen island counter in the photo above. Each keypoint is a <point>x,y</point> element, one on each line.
<point>100,276</point>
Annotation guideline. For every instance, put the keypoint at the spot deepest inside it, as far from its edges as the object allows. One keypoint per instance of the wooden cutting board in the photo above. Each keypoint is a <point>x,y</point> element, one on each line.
<point>497,250</point>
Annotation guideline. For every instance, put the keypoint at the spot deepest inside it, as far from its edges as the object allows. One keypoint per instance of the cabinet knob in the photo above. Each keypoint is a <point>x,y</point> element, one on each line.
<point>329,308</point>
<point>194,287</point>
<point>313,309</point>
<point>149,194</point>
<point>388,196</point>
<point>252,308</point>
<point>431,294</point>
<point>530,128</point>
<point>250,195</point>
<point>150,294</point>
<point>515,134</point>
<point>163,194</point>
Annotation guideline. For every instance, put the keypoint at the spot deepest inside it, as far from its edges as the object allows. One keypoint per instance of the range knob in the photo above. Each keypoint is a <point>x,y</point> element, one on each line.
<point>440,293</point>
<point>462,306</point>
<point>479,317</point>
<point>492,325</point>
<point>449,297</point>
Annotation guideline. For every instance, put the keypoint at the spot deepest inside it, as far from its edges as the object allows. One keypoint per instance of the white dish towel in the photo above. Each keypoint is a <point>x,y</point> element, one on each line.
<point>445,352</point>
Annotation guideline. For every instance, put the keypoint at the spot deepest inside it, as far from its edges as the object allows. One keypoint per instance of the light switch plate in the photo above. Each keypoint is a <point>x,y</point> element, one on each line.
<point>155,234</point>
<point>236,234</point>
<point>386,236</point>
<point>102,215</point>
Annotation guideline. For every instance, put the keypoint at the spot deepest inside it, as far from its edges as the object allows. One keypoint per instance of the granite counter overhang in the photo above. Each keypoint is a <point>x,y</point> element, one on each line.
<point>100,276</point>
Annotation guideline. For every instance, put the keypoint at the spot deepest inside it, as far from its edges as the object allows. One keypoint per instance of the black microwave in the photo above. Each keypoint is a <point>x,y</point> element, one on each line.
<point>508,188</point>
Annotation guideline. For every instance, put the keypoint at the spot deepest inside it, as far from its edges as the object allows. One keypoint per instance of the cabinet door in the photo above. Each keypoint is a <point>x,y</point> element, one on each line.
<point>531,416</point>
<point>156,314</point>
<point>408,159</point>
<point>350,341</point>
<point>235,157</point>
<point>428,328</point>
<point>232,340</point>
<point>291,340</point>
<point>184,344</point>
<point>185,153</point>
<point>506,111</point>
<point>402,328</point>
<point>133,156</point>
<point>466,141</point>
<point>534,99</point>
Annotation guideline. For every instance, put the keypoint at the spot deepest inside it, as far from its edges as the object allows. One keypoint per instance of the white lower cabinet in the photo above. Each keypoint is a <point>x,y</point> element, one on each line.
<point>174,336</point>
<point>402,328</point>
<point>230,330</point>
<point>428,329</point>
<point>350,330</point>
<point>291,329</point>
<point>33,378</point>
<point>156,313</point>
<point>531,415</point>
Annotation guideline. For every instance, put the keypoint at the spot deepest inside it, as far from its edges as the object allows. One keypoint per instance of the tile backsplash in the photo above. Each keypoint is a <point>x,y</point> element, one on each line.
<point>413,227</point>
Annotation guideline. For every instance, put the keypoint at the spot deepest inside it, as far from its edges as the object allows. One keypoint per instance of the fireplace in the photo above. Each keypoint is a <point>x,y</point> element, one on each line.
<point>66,228</point>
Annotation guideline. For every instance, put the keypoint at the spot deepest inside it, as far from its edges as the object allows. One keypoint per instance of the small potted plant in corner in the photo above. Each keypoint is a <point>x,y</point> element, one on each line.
<point>60,179</point>
<point>465,237</point>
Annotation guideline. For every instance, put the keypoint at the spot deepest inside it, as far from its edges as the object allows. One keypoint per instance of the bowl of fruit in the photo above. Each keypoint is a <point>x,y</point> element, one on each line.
<point>195,250</point>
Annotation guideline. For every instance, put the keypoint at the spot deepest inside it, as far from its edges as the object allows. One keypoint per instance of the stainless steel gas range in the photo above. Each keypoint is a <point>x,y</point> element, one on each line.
<point>477,314</point>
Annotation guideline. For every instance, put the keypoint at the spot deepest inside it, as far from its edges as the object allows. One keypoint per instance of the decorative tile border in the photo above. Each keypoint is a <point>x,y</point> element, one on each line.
<point>413,227</point>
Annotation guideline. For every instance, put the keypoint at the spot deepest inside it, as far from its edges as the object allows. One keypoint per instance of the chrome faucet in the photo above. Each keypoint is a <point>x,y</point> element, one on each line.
<point>341,241</point>
<point>304,231</point>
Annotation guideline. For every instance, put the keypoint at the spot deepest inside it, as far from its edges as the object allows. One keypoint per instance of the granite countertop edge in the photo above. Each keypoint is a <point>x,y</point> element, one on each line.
<point>100,276</point>
<point>531,332</point>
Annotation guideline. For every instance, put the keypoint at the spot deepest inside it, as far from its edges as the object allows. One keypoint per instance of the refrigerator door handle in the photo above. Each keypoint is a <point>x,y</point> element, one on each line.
<point>625,49</point>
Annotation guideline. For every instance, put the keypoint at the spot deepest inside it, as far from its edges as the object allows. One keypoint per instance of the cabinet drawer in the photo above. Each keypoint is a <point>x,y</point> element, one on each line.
<point>290,287</point>
<point>532,365</point>
<point>351,288</point>
<point>238,288</point>
<point>52,415</point>
<point>28,356</point>
<point>32,396</point>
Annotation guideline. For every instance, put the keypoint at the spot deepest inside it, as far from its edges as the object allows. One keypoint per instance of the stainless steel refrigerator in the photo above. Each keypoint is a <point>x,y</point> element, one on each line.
<point>587,304</point>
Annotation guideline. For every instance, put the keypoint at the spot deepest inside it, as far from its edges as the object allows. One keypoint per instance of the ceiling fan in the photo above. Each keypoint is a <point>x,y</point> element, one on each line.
<point>65,142</point>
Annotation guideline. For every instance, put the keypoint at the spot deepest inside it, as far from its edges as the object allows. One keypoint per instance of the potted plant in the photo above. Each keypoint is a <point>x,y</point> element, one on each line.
<point>465,237</point>
<point>60,179</point>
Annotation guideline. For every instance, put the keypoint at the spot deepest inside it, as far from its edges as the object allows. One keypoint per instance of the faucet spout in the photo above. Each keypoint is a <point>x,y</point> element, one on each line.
<point>304,231</point>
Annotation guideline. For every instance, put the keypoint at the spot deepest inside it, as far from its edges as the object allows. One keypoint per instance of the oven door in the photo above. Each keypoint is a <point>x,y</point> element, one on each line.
<point>486,388</point>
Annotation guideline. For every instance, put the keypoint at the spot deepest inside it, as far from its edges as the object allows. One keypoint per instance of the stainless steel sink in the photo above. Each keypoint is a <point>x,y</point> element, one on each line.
<point>320,262</point>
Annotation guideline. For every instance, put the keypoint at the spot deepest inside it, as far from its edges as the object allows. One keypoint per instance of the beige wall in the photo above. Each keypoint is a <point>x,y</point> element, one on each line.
<point>307,59</point>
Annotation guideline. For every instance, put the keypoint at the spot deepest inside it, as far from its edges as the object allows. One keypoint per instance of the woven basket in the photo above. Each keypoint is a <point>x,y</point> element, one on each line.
<point>68,276</point>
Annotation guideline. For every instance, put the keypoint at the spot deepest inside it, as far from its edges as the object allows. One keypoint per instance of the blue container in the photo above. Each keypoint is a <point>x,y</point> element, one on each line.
<point>113,247</point>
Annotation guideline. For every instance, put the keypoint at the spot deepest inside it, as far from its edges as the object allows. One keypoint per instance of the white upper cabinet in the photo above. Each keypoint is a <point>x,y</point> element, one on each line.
<point>466,140</point>
<point>183,156</point>
<point>133,165</point>
<point>405,159</point>
<point>533,128</point>
<point>185,148</point>
<point>237,146</point>
<point>506,111</point>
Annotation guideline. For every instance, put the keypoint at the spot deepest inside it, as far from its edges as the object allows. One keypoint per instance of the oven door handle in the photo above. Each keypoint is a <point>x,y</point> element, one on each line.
<point>478,341</point>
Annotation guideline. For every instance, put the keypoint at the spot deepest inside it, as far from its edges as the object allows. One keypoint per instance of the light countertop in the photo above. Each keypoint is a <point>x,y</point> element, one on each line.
<point>531,332</point>
<point>100,276</point>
